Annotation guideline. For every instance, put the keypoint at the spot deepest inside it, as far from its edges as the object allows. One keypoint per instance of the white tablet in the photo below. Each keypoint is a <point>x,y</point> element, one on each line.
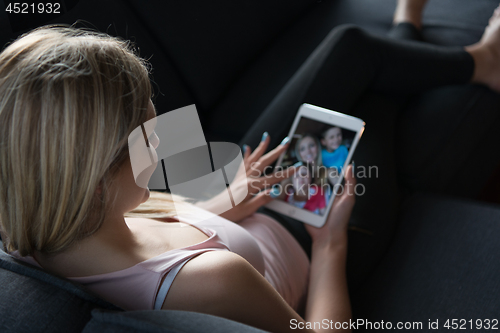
<point>322,143</point>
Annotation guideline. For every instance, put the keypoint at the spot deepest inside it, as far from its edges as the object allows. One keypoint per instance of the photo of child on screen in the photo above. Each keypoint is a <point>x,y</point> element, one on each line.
<point>333,152</point>
<point>304,191</point>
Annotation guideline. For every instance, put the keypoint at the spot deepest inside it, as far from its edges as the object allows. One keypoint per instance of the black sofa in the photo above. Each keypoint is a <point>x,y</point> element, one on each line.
<point>231,59</point>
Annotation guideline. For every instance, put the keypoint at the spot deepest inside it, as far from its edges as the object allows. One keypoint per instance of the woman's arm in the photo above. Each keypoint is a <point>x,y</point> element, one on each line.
<point>223,284</point>
<point>328,296</point>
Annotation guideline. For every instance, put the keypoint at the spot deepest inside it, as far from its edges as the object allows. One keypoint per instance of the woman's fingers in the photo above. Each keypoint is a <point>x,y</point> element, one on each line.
<point>346,193</point>
<point>260,150</point>
<point>246,155</point>
<point>350,184</point>
<point>257,184</point>
<point>246,151</point>
<point>279,175</point>
<point>271,156</point>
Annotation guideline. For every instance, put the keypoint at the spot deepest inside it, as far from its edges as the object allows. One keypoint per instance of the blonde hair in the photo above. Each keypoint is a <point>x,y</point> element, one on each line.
<point>69,98</point>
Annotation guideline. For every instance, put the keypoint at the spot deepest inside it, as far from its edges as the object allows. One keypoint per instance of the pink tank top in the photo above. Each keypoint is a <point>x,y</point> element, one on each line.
<point>261,240</point>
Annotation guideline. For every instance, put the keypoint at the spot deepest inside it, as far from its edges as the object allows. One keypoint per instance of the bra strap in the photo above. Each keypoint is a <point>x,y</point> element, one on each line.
<point>167,283</point>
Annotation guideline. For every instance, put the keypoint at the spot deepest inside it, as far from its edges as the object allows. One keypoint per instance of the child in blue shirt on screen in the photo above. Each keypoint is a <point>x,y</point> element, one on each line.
<point>333,153</point>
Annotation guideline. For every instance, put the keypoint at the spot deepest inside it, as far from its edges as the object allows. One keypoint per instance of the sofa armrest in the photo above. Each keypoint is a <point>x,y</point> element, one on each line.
<point>32,300</point>
<point>162,321</point>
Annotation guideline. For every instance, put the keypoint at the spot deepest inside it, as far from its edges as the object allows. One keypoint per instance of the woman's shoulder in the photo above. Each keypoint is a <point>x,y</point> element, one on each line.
<point>224,284</point>
<point>206,278</point>
<point>210,278</point>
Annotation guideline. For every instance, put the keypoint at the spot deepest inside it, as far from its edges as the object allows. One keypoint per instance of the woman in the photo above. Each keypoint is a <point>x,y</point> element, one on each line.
<point>68,184</point>
<point>65,188</point>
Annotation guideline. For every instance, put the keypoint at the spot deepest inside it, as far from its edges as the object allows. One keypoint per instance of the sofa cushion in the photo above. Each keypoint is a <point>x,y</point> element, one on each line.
<point>443,264</point>
<point>433,153</point>
<point>32,300</point>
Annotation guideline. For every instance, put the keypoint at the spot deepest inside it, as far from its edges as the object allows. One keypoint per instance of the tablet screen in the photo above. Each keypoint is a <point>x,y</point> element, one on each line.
<point>319,151</point>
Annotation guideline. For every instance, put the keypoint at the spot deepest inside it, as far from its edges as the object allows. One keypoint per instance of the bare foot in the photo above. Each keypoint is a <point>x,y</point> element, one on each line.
<point>486,54</point>
<point>409,11</point>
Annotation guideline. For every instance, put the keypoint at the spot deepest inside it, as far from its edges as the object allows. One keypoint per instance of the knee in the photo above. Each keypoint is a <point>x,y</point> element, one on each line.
<point>348,34</point>
<point>348,43</point>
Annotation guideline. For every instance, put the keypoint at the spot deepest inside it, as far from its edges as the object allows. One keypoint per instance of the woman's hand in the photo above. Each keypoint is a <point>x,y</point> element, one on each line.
<point>334,232</point>
<point>251,176</point>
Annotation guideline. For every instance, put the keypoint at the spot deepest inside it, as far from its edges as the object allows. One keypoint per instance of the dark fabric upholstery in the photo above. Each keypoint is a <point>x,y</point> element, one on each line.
<point>443,264</point>
<point>32,300</point>
<point>162,321</point>
<point>213,42</point>
<point>232,60</point>
<point>447,139</point>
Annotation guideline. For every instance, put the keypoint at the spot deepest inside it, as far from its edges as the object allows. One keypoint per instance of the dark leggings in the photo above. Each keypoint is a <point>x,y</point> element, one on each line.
<point>342,74</point>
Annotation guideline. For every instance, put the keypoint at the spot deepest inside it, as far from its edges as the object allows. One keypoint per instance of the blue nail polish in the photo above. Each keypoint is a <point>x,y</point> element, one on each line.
<point>275,192</point>
<point>245,148</point>
<point>264,136</point>
<point>298,164</point>
<point>285,141</point>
